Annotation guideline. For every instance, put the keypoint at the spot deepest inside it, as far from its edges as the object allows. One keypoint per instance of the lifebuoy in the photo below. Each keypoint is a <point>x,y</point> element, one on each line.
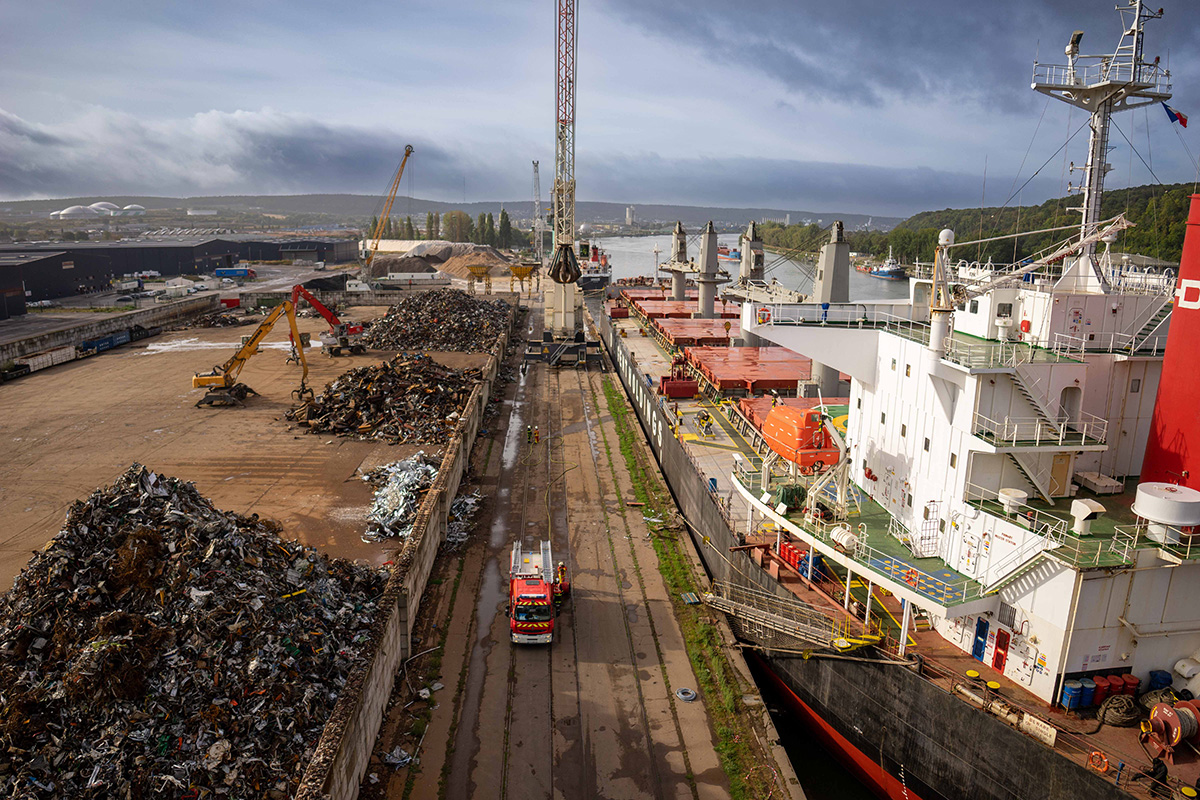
<point>1098,761</point>
<point>764,316</point>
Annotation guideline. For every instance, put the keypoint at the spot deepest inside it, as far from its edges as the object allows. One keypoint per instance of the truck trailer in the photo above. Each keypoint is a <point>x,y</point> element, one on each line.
<point>235,272</point>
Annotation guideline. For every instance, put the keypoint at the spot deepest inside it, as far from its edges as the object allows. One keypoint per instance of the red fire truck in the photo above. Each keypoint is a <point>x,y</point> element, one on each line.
<point>535,590</point>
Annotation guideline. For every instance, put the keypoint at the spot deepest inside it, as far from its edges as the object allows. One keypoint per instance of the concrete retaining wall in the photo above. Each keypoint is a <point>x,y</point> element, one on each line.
<point>85,330</point>
<point>340,761</point>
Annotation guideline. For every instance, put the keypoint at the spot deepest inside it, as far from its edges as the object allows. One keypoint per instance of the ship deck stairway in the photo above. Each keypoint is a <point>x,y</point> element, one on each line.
<point>1027,387</point>
<point>776,623</point>
<point>1152,325</point>
<point>1039,480</point>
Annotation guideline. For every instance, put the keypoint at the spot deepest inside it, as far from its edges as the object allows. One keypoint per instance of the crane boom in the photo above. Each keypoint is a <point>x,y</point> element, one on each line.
<point>564,267</point>
<point>341,335</point>
<point>381,224</point>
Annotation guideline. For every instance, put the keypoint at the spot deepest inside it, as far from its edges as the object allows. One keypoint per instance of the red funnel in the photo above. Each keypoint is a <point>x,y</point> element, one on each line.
<point>1173,450</point>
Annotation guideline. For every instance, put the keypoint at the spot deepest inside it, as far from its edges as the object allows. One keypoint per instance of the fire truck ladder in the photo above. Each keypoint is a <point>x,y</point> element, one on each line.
<point>776,623</point>
<point>519,558</point>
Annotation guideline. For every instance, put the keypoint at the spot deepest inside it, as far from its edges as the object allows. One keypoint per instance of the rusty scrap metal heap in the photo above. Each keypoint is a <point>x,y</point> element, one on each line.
<point>411,399</point>
<point>446,319</point>
<point>159,646</point>
<point>221,319</point>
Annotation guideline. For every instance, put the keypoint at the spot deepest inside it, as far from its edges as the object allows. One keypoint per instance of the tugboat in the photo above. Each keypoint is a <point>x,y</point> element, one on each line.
<point>889,270</point>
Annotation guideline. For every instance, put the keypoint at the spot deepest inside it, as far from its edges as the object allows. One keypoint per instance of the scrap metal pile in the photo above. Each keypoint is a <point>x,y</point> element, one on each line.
<point>221,319</point>
<point>411,399</point>
<point>159,647</point>
<point>446,319</point>
<point>399,489</point>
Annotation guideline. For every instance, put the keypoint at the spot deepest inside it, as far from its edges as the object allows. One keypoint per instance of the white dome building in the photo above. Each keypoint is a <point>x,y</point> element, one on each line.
<point>133,210</point>
<point>76,212</point>
<point>105,208</point>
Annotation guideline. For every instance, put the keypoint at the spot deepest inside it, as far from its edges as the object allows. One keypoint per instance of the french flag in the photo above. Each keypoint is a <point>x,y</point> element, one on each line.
<point>1176,115</point>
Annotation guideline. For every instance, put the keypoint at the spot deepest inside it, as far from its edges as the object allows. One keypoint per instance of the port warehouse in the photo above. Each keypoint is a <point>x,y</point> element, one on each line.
<point>64,269</point>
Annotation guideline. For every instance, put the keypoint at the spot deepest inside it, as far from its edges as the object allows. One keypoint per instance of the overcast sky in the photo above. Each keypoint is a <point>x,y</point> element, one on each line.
<point>868,106</point>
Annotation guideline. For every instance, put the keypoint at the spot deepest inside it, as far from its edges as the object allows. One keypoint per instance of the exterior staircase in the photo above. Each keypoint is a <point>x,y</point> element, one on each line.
<point>1027,389</point>
<point>1152,325</point>
<point>1024,568</point>
<point>1039,481</point>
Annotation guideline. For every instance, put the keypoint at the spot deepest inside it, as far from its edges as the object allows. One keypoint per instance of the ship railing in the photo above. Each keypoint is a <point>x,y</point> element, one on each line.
<point>845,315</point>
<point>1039,432</point>
<point>789,617</point>
<point>910,329</point>
<point>1065,344</point>
<point>987,355</point>
<point>1037,520</point>
<point>1151,78</point>
<point>1172,541</point>
<point>1147,282</point>
<point>884,563</point>
<point>1124,343</point>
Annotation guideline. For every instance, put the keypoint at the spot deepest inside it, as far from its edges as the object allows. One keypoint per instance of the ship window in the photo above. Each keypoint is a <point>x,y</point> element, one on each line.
<point>893,364</point>
<point>974,306</point>
<point>908,370</point>
<point>941,526</point>
<point>953,460</point>
<point>926,512</point>
<point>1135,385</point>
<point>883,418</point>
<point>1007,616</point>
<point>860,403</point>
<point>926,444</point>
<point>909,501</point>
<point>864,465</point>
<point>903,430</point>
<point>1004,310</point>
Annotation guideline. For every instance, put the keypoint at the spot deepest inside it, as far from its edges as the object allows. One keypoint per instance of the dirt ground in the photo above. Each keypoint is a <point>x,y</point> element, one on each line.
<point>72,428</point>
<point>594,714</point>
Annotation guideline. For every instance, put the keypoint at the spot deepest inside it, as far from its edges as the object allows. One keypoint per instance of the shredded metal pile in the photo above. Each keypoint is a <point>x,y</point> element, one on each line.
<point>160,647</point>
<point>399,489</point>
<point>445,319</point>
<point>463,509</point>
<point>410,399</point>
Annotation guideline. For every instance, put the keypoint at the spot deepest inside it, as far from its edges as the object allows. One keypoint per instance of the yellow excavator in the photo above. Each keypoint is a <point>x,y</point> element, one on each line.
<point>222,383</point>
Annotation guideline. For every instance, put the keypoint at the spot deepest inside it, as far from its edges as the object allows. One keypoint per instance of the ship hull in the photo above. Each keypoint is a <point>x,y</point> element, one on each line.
<point>904,735</point>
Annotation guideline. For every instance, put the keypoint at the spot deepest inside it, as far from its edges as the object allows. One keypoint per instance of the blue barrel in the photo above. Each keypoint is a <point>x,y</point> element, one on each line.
<point>1070,694</point>
<point>1159,679</point>
<point>712,485</point>
<point>1087,692</point>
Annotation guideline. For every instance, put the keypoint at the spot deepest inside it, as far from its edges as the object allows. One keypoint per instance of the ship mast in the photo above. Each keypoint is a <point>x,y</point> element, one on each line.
<point>1103,85</point>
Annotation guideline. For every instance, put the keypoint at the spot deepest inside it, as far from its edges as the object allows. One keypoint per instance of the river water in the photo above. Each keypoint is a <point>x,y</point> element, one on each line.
<point>821,776</point>
<point>631,256</point>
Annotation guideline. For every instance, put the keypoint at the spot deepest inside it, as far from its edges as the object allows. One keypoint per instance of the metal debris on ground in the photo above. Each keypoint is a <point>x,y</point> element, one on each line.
<point>161,647</point>
<point>463,509</point>
<point>221,319</point>
<point>399,489</point>
<point>398,758</point>
<point>410,399</point>
<point>445,319</point>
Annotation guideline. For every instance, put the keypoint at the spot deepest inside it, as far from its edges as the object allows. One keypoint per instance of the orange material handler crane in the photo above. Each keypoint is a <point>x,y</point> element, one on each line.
<point>341,336</point>
<point>387,208</point>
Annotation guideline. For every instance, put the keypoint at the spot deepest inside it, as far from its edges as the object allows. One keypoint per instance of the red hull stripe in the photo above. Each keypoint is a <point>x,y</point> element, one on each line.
<point>879,780</point>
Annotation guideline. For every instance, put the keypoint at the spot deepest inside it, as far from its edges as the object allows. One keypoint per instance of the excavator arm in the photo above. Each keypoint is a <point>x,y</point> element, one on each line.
<point>299,291</point>
<point>222,380</point>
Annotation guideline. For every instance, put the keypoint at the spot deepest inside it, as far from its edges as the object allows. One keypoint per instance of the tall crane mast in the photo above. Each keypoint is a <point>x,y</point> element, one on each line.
<point>538,225</point>
<point>381,225</point>
<point>564,268</point>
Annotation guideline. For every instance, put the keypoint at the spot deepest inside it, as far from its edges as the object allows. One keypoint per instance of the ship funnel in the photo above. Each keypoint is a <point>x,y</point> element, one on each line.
<point>1173,449</point>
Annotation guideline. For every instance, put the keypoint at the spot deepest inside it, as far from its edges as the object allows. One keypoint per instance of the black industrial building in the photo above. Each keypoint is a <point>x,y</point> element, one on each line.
<point>12,290</point>
<point>331,251</point>
<point>64,269</point>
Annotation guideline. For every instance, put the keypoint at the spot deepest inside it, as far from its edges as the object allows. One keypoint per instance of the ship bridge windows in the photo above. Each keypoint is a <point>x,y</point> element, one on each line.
<point>1004,310</point>
<point>974,306</point>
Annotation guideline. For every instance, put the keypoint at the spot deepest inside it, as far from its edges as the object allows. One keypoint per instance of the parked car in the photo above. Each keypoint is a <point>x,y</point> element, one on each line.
<point>124,299</point>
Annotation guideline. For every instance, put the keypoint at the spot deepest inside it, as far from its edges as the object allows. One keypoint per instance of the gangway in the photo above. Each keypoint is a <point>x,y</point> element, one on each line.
<point>776,623</point>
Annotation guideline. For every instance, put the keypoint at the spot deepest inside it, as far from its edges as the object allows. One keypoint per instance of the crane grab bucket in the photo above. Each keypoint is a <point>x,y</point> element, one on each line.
<point>564,267</point>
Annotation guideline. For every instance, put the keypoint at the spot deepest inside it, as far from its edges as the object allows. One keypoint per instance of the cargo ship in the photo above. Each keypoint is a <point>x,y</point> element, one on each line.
<point>595,273</point>
<point>958,534</point>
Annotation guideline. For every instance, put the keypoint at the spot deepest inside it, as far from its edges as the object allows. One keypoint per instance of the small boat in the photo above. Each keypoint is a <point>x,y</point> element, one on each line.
<point>725,254</point>
<point>889,270</point>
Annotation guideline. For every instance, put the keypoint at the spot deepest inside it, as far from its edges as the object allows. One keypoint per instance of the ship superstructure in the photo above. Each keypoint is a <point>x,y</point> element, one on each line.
<point>1011,513</point>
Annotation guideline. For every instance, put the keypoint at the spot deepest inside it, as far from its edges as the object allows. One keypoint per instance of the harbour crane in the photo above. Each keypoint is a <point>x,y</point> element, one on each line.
<point>539,225</point>
<point>222,381</point>
<point>564,267</point>
<point>381,224</point>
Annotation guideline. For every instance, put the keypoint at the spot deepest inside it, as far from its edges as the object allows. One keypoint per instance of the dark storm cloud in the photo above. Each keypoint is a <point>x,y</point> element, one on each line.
<point>866,52</point>
<point>251,152</point>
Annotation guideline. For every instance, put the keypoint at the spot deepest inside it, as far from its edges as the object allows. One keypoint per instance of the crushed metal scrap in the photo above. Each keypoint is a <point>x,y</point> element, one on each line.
<point>161,647</point>
<point>400,488</point>
<point>221,319</point>
<point>411,399</point>
<point>446,319</point>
